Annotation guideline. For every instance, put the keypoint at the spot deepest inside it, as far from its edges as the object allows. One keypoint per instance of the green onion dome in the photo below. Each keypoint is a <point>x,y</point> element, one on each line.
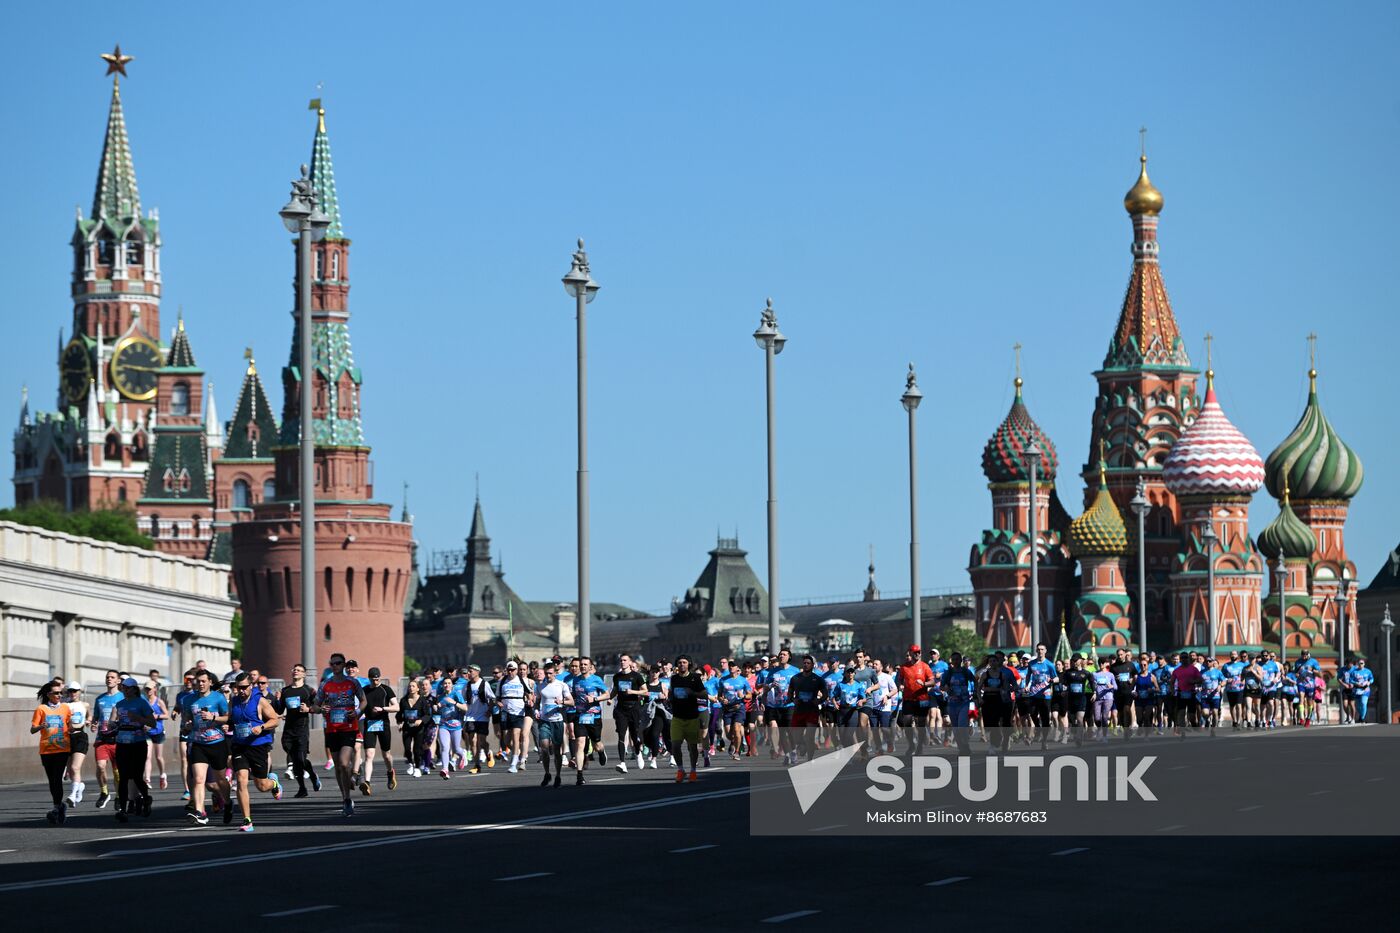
<point>1100,531</point>
<point>1313,461</point>
<point>1004,460</point>
<point>1287,535</point>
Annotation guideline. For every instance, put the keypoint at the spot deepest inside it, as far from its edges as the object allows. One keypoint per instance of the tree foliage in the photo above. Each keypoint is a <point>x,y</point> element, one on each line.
<point>410,665</point>
<point>109,522</point>
<point>965,641</point>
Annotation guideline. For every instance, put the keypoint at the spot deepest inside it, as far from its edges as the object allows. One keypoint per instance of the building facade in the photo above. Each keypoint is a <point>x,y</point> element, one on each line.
<point>75,607</point>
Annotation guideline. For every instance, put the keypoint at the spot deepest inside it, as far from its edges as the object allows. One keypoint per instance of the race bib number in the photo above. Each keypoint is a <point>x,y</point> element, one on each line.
<point>1076,688</point>
<point>339,716</point>
<point>293,702</point>
<point>588,718</point>
<point>374,725</point>
<point>242,730</point>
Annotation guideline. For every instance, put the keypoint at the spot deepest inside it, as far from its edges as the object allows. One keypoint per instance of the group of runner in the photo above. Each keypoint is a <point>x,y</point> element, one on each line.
<point>681,712</point>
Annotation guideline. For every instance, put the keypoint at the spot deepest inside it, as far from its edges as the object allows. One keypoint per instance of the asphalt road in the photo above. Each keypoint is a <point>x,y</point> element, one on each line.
<point>497,845</point>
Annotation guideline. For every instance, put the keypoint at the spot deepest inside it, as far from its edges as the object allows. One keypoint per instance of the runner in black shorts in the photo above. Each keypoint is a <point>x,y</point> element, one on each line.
<point>629,687</point>
<point>380,706</point>
<point>1078,689</point>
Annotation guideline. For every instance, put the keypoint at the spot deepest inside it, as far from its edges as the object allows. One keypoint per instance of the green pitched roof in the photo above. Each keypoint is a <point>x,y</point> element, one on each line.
<point>252,431</point>
<point>116,196</point>
<point>178,467</point>
<point>181,356</point>
<point>323,179</point>
<point>333,357</point>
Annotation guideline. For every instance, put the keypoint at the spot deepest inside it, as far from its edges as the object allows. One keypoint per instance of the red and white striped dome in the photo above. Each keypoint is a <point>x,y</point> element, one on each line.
<point>1212,456</point>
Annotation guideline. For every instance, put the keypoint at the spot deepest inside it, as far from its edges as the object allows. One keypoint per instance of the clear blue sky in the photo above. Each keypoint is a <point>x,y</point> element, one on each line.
<point>922,182</point>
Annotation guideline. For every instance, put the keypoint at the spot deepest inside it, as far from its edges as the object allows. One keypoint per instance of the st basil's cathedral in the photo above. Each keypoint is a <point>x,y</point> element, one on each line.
<point>1153,436</point>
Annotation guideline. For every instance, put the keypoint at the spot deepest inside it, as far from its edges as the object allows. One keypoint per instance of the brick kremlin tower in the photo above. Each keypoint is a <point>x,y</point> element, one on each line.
<point>1000,563</point>
<point>1146,398</point>
<point>1321,474</point>
<point>128,425</point>
<point>363,556</point>
<point>1213,471</point>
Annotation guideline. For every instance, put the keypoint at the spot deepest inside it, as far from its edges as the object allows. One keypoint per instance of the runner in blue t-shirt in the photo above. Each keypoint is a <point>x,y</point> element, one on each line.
<point>734,691</point>
<point>1233,671</point>
<point>1361,680</point>
<point>589,691</point>
<point>1208,694</point>
<point>1040,678</point>
<point>778,704</point>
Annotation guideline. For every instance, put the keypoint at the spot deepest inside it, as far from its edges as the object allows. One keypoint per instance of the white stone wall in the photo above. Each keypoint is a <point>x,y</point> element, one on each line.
<point>76,607</point>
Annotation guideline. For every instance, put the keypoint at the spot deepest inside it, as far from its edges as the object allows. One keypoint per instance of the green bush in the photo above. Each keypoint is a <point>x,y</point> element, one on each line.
<point>108,522</point>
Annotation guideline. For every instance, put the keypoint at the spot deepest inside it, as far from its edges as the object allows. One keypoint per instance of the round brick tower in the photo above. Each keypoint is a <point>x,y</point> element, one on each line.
<point>363,557</point>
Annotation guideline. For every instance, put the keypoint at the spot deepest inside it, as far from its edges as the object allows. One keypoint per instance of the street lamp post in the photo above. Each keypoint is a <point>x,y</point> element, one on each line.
<point>910,400</point>
<point>1209,538</point>
<point>1033,462</point>
<point>1387,630</point>
<point>1141,506</point>
<point>1282,611</point>
<point>1341,600</point>
<point>771,341</point>
<point>303,217</point>
<point>581,287</point>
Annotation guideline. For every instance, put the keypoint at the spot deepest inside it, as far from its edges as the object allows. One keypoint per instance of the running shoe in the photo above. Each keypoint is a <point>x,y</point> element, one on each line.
<point>315,782</point>
<point>164,782</point>
<point>474,769</point>
<point>393,782</point>
<point>442,773</point>
<point>121,815</point>
<point>557,781</point>
<point>490,759</point>
<point>511,769</point>
<point>651,762</point>
<point>185,795</point>
<point>79,790</point>
<point>622,766</point>
<point>348,810</point>
<point>247,827</point>
<point>290,772</point>
<point>300,793</point>
<point>146,803</point>
<point>62,812</point>
<point>52,817</point>
<point>602,757</point>
<point>200,818</point>
<point>694,777</point>
<point>545,782</point>
<point>707,759</point>
<point>680,776</point>
<point>365,788</point>
<point>579,781</point>
<point>103,799</point>
<point>71,800</point>
<point>276,787</point>
<point>329,764</point>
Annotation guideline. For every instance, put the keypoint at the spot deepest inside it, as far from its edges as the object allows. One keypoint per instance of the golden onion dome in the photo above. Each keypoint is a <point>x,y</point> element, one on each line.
<point>1100,531</point>
<point>1143,197</point>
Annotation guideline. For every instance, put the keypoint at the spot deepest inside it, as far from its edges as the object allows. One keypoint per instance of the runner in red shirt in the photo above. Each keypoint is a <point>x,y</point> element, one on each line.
<point>340,700</point>
<point>914,677</point>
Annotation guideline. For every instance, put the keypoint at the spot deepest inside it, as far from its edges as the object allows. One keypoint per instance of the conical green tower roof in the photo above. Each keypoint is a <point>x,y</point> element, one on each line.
<point>116,197</point>
<point>323,177</point>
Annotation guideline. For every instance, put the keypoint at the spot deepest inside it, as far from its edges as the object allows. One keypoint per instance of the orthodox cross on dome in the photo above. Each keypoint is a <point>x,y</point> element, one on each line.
<point>1312,361</point>
<point>1016,349</point>
<point>116,61</point>
<point>1210,369</point>
<point>1142,141</point>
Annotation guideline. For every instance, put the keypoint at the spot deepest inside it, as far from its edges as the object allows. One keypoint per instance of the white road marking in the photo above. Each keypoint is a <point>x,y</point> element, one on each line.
<point>301,910</point>
<point>951,880</point>
<point>820,829</point>
<point>1257,806</point>
<point>1167,829</point>
<point>1074,851</point>
<point>1373,780</point>
<point>607,780</point>
<point>792,916</point>
<point>1319,793</point>
<point>533,874</point>
<point>694,849</point>
<point>7,851</point>
<point>372,842</point>
<point>159,832</point>
<point>153,849</point>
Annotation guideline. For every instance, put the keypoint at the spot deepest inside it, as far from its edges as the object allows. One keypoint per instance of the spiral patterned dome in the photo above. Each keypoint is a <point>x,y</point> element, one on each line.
<point>1212,456</point>
<point>1100,531</point>
<point>1288,535</point>
<point>1313,462</point>
<point>1003,459</point>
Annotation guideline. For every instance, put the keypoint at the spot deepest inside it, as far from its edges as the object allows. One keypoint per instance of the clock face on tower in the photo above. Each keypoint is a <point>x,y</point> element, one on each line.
<point>135,362</point>
<point>75,370</point>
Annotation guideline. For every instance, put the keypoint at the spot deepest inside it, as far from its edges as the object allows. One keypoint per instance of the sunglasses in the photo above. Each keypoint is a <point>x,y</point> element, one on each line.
<point>338,663</point>
<point>262,683</point>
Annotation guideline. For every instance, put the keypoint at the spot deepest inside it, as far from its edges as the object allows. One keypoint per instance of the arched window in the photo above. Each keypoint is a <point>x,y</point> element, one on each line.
<point>180,398</point>
<point>269,490</point>
<point>335,265</point>
<point>242,495</point>
<point>318,265</point>
<point>121,494</point>
<point>155,526</point>
<point>133,253</point>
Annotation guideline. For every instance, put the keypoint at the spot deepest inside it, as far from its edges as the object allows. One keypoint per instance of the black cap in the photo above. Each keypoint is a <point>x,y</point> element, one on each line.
<point>373,672</point>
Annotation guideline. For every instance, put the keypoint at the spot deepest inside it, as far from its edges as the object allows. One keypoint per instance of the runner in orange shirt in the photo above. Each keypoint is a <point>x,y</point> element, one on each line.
<point>52,721</point>
<point>914,679</point>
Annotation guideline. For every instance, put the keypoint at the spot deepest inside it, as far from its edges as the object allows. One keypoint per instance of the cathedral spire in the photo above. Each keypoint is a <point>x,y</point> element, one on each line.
<point>116,197</point>
<point>1147,335</point>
